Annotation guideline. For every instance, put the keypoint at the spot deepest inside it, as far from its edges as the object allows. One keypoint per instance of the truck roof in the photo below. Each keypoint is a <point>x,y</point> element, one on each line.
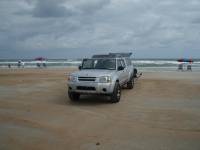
<point>113,55</point>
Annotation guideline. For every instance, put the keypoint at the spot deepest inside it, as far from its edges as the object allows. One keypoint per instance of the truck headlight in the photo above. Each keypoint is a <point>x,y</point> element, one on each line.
<point>72,78</point>
<point>105,79</point>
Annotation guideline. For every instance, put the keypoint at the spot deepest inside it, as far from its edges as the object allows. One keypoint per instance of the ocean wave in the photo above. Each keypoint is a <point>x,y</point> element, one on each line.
<point>158,62</point>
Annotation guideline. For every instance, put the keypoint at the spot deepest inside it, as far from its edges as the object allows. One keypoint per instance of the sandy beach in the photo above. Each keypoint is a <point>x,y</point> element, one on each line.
<point>162,112</point>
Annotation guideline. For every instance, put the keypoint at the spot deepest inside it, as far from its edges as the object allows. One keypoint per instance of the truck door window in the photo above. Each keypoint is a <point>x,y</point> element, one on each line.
<point>123,63</point>
<point>119,63</point>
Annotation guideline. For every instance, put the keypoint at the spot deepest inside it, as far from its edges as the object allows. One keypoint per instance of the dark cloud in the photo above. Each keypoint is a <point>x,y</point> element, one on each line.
<point>50,8</point>
<point>62,8</point>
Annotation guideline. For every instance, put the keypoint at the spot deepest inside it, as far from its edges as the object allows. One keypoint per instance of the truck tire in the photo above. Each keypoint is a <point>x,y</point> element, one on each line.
<point>135,73</point>
<point>115,97</point>
<point>130,83</point>
<point>74,96</point>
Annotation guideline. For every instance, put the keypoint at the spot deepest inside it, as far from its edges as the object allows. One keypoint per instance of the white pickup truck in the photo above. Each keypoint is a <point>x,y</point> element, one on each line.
<point>104,75</point>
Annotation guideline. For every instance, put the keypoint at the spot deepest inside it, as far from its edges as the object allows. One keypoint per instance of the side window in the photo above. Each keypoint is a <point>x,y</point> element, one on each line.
<point>123,63</point>
<point>119,63</point>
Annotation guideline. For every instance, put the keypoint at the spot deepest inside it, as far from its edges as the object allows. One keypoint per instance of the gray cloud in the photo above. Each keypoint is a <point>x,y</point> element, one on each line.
<point>91,6</point>
<point>63,28</point>
<point>50,8</point>
<point>196,21</point>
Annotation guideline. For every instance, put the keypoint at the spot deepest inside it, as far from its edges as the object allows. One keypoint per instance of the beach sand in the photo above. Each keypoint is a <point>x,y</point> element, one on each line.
<point>162,112</point>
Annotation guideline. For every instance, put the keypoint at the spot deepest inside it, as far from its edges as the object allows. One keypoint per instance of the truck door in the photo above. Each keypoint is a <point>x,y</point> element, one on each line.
<point>125,71</point>
<point>120,72</point>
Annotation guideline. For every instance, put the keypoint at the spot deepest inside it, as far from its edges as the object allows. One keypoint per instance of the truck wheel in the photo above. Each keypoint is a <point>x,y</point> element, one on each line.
<point>73,96</point>
<point>135,73</point>
<point>130,84</point>
<point>115,97</point>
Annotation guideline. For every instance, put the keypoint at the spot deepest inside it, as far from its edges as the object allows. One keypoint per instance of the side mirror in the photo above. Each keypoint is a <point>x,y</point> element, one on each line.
<point>120,68</point>
<point>79,67</point>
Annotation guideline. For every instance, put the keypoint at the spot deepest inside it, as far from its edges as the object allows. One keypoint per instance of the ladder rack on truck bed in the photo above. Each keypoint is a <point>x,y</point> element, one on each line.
<point>113,55</point>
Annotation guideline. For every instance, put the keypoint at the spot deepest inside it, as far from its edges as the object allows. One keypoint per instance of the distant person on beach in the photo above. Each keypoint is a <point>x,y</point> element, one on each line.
<point>38,65</point>
<point>9,65</point>
<point>189,67</point>
<point>19,63</point>
<point>22,64</point>
<point>180,67</point>
<point>44,65</point>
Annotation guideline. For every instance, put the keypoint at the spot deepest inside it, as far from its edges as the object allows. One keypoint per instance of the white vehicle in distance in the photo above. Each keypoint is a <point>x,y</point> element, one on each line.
<point>102,75</point>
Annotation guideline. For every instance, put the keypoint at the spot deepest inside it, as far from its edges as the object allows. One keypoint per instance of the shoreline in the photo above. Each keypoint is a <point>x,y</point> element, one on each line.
<point>140,69</point>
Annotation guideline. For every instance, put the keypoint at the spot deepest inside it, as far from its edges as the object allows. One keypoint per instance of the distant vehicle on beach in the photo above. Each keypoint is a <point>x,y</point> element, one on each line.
<point>104,75</point>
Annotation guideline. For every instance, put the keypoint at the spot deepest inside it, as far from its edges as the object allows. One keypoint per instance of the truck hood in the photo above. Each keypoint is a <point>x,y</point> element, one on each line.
<point>94,73</point>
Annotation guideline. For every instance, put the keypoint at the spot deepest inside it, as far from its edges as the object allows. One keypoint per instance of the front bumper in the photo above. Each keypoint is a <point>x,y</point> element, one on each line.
<point>90,87</point>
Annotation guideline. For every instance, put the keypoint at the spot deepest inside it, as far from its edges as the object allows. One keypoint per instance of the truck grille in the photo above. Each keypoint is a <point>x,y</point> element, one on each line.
<point>86,78</point>
<point>87,88</point>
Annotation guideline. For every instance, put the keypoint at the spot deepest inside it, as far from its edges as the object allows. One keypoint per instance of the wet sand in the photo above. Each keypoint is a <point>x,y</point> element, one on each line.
<point>162,112</point>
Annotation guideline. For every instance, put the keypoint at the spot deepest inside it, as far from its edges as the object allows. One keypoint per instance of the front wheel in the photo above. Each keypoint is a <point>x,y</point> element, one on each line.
<point>116,95</point>
<point>74,96</point>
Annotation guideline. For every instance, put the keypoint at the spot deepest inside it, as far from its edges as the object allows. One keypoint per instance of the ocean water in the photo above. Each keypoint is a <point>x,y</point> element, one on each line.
<point>140,64</point>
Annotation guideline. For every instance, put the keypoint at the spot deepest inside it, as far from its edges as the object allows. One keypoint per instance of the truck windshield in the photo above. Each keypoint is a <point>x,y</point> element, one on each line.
<point>109,64</point>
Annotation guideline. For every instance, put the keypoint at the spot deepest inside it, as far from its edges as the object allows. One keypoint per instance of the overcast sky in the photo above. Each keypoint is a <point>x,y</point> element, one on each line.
<point>80,28</point>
